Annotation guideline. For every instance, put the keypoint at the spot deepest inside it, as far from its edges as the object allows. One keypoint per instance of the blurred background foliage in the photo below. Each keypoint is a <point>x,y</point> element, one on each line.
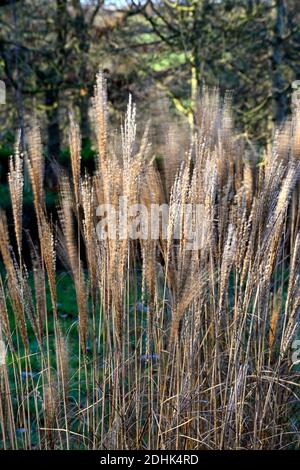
<point>161,51</point>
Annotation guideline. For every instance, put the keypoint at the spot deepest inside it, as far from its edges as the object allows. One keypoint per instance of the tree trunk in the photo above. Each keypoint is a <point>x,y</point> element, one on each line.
<point>81,32</point>
<point>52,111</point>
<point>280,104</point>
<point>84,118</point>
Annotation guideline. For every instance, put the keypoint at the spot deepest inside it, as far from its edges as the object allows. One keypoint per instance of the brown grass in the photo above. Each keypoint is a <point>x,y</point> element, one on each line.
<point>178,349</point>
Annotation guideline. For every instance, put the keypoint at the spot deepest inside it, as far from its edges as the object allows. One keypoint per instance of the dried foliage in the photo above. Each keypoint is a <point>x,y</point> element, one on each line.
<point>178,348</point>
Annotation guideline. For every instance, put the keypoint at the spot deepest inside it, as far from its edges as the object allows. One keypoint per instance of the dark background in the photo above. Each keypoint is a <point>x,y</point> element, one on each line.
<point>162,52</point>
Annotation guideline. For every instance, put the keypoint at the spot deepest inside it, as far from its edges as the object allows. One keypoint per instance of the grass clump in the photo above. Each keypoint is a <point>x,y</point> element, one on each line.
<point>147,343</point>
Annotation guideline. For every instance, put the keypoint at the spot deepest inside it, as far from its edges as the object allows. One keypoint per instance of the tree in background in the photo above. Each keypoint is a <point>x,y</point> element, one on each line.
<point>51,50</point>
<point>246,46</point>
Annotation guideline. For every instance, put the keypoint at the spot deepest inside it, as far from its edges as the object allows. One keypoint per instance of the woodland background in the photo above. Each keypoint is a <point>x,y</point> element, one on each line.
<point>159,51</point>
